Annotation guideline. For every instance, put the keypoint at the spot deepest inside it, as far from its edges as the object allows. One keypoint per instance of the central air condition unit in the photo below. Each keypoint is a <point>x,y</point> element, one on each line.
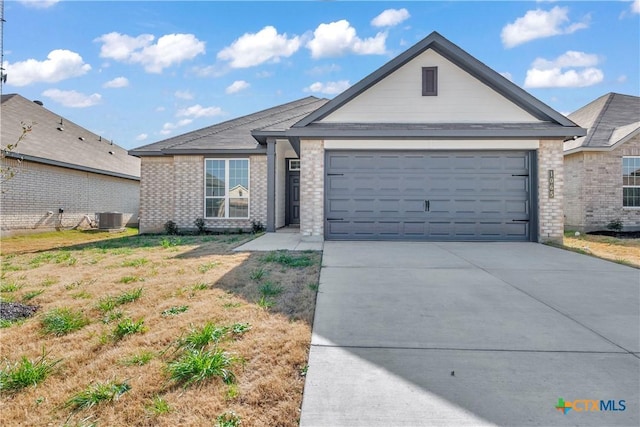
<point>109,220</point>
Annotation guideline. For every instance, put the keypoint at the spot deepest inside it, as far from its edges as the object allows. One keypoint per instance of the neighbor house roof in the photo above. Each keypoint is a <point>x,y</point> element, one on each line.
<point>611,119</point>
<point>73,147</point>
<point>244,134</point>
<point>555,124</point>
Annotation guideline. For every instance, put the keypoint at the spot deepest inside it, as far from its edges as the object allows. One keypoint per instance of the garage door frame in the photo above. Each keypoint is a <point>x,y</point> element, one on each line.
<point>533,186</point>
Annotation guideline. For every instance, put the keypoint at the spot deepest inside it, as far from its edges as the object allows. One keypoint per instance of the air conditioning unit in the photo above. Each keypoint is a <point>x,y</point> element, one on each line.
<point>109,220</point>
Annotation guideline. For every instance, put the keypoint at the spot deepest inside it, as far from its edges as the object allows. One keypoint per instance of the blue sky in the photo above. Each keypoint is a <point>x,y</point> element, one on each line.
<point>140,72</point>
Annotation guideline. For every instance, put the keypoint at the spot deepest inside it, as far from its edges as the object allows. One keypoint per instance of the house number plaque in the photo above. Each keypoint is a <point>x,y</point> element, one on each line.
<point>551,184</point>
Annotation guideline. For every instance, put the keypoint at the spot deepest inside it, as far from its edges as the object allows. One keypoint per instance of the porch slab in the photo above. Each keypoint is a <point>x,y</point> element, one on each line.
<point>281,240</point>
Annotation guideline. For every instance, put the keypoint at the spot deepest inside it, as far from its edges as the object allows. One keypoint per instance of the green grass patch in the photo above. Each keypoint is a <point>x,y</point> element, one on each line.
<point>62,321</point>
<point>32,294</point>
<point>6,323</point>
<point>258,274</point>
<point>139,359</point>
<point>265,302</point>
<point>228,419</point>
<point>26,373</point>
<point>175,310</point>
<point>9,287</point>
<point>158,406</point>
<point>98,393</point>
<point>137,262</point>
<point>288,260</point>
<point>110,302</point>
<point>199,338</point>
<point>130,279</point>
<point>269,289</point>
<point>203,268</point>
<point>200,287</point>
<point>49,280</point>
<point>196,366</point>
<point>128,327</point>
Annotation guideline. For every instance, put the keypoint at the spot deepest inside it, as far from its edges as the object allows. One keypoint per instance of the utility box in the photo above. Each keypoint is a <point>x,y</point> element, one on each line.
<point>109,220</point>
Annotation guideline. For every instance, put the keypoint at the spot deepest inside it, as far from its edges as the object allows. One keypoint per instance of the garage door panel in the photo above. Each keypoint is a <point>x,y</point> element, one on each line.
<point>428,195</point>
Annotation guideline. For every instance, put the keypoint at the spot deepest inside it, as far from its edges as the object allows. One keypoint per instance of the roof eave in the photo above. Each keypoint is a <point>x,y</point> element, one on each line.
<point>604,148</point>
<point>561,132</point>
<point>65,165</point>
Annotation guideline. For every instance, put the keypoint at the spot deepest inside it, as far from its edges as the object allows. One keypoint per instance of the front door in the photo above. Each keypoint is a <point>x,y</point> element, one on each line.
<point>293,192</point>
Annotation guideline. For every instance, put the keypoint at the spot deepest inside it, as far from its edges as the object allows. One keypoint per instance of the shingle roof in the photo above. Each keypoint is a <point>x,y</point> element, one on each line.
<point>242,134</point>
<point>611,119</point>
<point>74,147</point>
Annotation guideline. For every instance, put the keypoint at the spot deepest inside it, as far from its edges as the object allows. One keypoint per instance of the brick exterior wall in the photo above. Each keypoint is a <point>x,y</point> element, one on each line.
<point>38,188</point>
<point>312,188</point>
<point>594,197</point>
<point>172,189</point>
<point>550,210</point>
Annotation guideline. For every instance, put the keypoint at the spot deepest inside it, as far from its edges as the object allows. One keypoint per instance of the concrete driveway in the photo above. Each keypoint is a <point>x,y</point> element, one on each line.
<point>420,334</point>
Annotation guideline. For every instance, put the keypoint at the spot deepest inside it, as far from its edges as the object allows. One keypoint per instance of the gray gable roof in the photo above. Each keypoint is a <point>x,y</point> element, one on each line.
<point>611,119</point>
<point>559,124</point>
<point>244,134</point>
<point>74,147</point>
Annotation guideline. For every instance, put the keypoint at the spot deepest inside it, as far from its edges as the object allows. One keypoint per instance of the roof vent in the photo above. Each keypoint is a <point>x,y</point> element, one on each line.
<point>111,152</point>
<point>81,138</point>
<point>40,103</point>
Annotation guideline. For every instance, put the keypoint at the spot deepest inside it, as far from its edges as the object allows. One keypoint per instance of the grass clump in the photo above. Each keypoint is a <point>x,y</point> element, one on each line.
<point>158,406</point>
<point>288,260</point>
<point>139,359</point>
<point>196,366</point>
<point>199,338</point>
<point>9,287</point>
<point>62,321</point>
<point>32,294</point>
<point>175,310</point>
<point>208,266</point>
<point>127,327</point>
<point>98,393</point>
<point>228,419</point>
<point>111,302</point>
<point>268,289</point>
<point>6,323</point>
<point>130,279</point>
<point>136,262</point>
<point>26,373</point>
<point>200,287</point>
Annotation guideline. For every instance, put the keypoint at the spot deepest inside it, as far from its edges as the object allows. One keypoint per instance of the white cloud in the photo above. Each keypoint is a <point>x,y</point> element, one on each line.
<point>339,38</point>
<point>183,94</point>
<point>622,78</point>
<point>324,69</point>
<point>254,49</point>
<point>237,86</point>
<point>210,71</point>
<point>198,111</point>
<point>328,88</point>
<point>169,127</point>
<point>536,24</point>
<point>72,98</point>
<point>507,75</point>
<point>170,49</point>
<point>117,83</point>
<point>60,64</point>
<point>142,137</point>
<point>390,18</point>
<point>635,6</point>
<point>580,71</point>
<point>39,4</point>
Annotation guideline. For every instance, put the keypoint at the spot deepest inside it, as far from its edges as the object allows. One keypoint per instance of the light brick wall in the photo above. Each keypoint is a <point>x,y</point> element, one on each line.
<point>600,174</point>
<point>38,188</point>
<point>156,193</point>
<point>312,188</point>
<point>173,189</point>
<point>574,191</point>
<point>550,210</point>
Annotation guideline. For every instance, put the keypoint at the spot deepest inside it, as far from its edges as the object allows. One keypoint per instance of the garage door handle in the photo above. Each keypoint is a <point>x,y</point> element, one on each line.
<point>335,174</point>
<point>515,174</point>
<point>519,220</point>
<point>335,219</point>
<point>427,205</point>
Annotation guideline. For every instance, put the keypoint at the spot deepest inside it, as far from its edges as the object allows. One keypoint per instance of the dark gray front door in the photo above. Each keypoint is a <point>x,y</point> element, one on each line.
<point>461,195</point>
<point>293,198</point>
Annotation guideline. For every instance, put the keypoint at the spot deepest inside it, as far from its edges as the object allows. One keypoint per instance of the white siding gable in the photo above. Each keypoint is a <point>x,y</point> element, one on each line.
<point>398,98</point>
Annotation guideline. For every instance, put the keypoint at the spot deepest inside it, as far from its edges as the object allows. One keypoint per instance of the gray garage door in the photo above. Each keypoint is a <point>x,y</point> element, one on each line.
<point>461,195</point>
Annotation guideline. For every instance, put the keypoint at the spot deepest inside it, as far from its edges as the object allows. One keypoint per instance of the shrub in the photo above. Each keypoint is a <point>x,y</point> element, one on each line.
<point>199,223</point>
<point>257,227</point>
<point>615,225</point>
<point>171,227</point>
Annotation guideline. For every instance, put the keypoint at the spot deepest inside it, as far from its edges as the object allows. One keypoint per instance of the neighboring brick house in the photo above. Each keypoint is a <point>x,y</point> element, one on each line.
<point>434,145</point>
<point>602,169</point>
<point>66,175</point>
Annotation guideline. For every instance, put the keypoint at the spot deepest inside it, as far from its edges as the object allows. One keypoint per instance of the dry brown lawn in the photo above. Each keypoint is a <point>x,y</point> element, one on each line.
<point>173,272</point>
<point>623,251</point>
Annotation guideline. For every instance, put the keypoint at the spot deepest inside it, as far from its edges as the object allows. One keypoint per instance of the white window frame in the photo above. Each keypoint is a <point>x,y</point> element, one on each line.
<point>291,168</point>
<point>226,189</point>
<point>637,185</point>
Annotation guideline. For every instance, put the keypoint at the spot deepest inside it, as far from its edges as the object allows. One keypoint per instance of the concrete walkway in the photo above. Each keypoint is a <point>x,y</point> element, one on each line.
<point>421,334</point>
<point>283,239</point>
